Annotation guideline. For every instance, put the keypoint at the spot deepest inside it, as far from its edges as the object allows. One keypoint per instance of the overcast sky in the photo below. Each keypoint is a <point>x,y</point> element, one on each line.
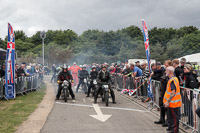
<point>80,15</point>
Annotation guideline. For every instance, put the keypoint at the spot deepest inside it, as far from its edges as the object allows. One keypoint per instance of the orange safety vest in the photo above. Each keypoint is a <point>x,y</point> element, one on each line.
<point>176,100</point>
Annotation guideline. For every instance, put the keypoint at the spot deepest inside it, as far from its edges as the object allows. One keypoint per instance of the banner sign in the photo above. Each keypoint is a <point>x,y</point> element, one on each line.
<point>146,42</point>
<point>10,65</point>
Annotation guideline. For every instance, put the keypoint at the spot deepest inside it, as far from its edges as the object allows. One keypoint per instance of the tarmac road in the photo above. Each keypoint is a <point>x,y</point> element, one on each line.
<point>123,117</point>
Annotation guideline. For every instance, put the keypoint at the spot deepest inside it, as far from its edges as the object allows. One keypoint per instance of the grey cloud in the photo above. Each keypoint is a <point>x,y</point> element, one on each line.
<point>80,15</point>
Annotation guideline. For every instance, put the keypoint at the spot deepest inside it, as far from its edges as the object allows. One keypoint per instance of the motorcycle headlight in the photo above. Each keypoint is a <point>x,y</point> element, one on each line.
<point>65,83</point>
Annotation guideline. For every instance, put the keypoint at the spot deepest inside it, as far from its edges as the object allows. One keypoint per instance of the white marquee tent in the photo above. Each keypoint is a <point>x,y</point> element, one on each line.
<point>193,58</point>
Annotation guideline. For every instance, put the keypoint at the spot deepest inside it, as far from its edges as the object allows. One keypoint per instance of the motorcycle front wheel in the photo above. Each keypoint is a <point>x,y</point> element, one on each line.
<point>106,98</point>
<point>65,95</point>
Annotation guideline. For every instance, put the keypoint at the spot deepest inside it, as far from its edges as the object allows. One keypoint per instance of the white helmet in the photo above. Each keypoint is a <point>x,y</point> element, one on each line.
<point>84,66</point>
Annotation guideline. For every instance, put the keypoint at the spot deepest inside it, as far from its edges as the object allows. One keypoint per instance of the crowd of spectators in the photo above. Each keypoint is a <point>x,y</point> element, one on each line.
<point>24,70</point>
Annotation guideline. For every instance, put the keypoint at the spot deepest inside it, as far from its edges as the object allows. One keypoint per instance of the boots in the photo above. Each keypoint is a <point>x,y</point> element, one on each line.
<point>161,121</point>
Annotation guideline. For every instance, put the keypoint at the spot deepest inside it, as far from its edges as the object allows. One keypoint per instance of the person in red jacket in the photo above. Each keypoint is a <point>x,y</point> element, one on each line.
<point>74,69</point>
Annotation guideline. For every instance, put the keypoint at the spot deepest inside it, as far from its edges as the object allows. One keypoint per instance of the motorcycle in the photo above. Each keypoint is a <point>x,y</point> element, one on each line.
<point>105,93</point>
<point>84,85</point>
<point>65,91</point>
<point>93,89</point>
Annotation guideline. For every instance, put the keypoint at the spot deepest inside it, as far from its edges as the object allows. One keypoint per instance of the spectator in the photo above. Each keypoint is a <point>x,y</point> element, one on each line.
<point>178,71</point>
<point>145,72</point>
<point>145,75</point>
<point>2,71</point>
<point>157,71</point>
<point>172,101</point>
<point>153,66</point>
<point>24,63</point>
<point>16,70</point>
<point>111,69</point>
<point>163,79</point>
<point>33,68</point>
<point>29,71</point>
<point>137,72</point>
<point>190,82</point>
<point>37,69</point>
<point>137,63</point>
<point>182,61</point>
<point>54,72</point>
<point>127,71</point>
<point>117,69</point>
<point>126,63</point>
<point>21,71</point>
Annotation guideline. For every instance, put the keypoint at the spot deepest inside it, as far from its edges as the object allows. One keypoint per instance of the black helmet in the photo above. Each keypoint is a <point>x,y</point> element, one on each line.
<point>103,66</point>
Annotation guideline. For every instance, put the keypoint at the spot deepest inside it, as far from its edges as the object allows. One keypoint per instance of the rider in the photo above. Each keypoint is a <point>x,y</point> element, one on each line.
<point>65,75</point>
<point>104,77</point>
<point>93,75</point>
<point>82,74</point>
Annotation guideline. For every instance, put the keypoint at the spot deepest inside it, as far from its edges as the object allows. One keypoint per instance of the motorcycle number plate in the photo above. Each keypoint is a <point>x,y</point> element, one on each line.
<point>85,80</point>
<point>105,86</point>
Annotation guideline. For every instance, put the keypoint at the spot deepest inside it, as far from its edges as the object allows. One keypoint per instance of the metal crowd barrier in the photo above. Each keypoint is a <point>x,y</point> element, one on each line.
<point>190,98</point>
<point>190,102</point>
<point>23,84</point>
<point>198,72</point>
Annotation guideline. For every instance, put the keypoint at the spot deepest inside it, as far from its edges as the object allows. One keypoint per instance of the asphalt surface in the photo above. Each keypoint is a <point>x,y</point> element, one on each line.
<point>74,117</point>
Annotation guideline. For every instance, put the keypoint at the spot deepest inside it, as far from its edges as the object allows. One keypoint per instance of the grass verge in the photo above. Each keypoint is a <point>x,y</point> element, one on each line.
<point>14,112</point>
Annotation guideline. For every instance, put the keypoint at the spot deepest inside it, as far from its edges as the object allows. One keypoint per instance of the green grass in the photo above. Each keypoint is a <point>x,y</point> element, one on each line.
<point>14,112</point>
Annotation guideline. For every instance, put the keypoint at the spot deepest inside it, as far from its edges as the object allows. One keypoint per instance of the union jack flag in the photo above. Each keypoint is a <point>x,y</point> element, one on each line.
<point>10,65</point>
<point>146,42</point>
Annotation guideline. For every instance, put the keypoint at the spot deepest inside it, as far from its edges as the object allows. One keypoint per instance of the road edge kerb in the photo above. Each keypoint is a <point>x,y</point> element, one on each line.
<point>37,119</point>
<point>145,107</point>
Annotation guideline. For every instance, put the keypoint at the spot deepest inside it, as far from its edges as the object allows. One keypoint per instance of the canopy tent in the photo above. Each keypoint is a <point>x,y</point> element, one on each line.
<point>193,58</point>
<point>2,54</point>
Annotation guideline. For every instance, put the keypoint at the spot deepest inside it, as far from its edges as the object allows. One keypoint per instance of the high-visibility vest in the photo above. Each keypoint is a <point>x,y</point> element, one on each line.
<point>176,100</point>
<point>196,67</point>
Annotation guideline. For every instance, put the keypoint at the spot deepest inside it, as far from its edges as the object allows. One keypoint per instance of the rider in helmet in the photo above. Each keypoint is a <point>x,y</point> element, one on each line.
<point>104,77</point>
<point>82,74</point>
<point>65,75</point>
<point>93,75</point>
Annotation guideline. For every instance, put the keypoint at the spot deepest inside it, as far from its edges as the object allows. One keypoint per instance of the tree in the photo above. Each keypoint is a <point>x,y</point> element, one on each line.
<point>158,52</point>
<point>133,32</point>
<point>2,44</point>
<point>65,37</point>
<point>20,35</point>
<point>36,39</point>
<point>174,48</point>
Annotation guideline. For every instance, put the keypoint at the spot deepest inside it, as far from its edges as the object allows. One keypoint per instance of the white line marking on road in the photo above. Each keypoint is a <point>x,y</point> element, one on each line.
<point>100,116</point>
<point>114,108</point>
<point>81,105</point>
<point>125,109</point>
